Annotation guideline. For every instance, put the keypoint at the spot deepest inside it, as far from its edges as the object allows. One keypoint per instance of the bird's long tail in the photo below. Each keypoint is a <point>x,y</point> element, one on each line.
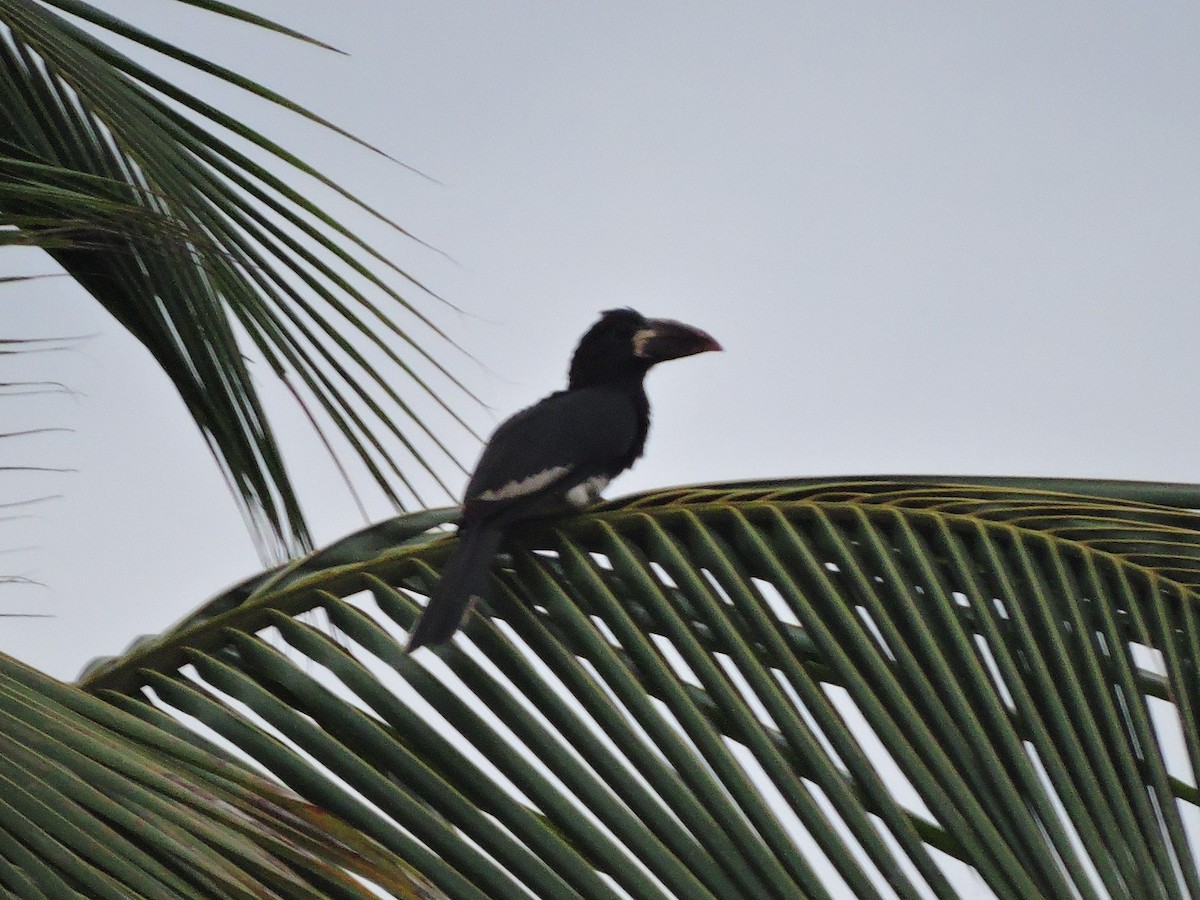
<point>463,581</point>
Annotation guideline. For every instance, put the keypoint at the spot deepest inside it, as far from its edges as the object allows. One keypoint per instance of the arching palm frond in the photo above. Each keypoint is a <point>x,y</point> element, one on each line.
<point>864,687</point>
<point>187,238</point>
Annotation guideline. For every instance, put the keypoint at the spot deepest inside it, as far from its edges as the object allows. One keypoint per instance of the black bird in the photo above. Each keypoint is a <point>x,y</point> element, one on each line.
<point>557,454</point>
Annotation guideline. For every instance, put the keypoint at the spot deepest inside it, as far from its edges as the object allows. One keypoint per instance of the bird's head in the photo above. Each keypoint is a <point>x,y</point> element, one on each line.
<point>625,343</point>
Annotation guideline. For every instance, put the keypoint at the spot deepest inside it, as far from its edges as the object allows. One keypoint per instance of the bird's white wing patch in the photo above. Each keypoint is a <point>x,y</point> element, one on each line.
<point>521,487</point>
<point>588,491</point>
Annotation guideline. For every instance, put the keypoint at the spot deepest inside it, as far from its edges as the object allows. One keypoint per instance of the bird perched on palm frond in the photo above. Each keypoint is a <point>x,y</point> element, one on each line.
<point>557,454</point>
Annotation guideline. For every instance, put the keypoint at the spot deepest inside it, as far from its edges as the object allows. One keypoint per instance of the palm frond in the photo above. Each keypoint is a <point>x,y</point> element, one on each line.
<point>196,246</point>
<point>864,687</point>
<point>96,803</point>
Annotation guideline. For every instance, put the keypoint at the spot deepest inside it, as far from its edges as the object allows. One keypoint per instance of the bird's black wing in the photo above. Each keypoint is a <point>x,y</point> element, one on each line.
<point>543,451</point>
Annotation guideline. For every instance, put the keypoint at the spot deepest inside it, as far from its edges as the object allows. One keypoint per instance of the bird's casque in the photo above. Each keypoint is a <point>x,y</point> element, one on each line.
<point>557,454</point>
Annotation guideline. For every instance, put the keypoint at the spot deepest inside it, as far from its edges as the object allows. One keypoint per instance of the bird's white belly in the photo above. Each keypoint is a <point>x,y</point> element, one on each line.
<point>587,492</point>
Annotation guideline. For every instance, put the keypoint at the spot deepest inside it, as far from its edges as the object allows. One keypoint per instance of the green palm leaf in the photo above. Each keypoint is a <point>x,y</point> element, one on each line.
<point>96,803</point>
<point>197,247</point>
<point>875,687</point>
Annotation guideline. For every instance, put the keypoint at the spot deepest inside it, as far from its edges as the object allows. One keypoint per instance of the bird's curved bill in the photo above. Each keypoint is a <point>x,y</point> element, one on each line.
<point>664,339</point>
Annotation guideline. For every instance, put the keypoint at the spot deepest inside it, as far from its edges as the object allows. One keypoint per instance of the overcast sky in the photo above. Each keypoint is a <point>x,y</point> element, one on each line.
<point>933,238</point>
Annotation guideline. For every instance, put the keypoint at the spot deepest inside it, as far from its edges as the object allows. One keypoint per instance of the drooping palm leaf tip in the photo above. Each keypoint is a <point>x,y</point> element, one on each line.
<point>196,248</point>
<point>98,803</point>
<point>557,454</point>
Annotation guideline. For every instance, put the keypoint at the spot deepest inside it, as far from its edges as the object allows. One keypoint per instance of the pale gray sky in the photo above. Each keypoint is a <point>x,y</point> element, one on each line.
<point>934,238</point>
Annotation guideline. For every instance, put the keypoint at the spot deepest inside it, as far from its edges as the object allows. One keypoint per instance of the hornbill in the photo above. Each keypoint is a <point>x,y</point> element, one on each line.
<point>558,454</point>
